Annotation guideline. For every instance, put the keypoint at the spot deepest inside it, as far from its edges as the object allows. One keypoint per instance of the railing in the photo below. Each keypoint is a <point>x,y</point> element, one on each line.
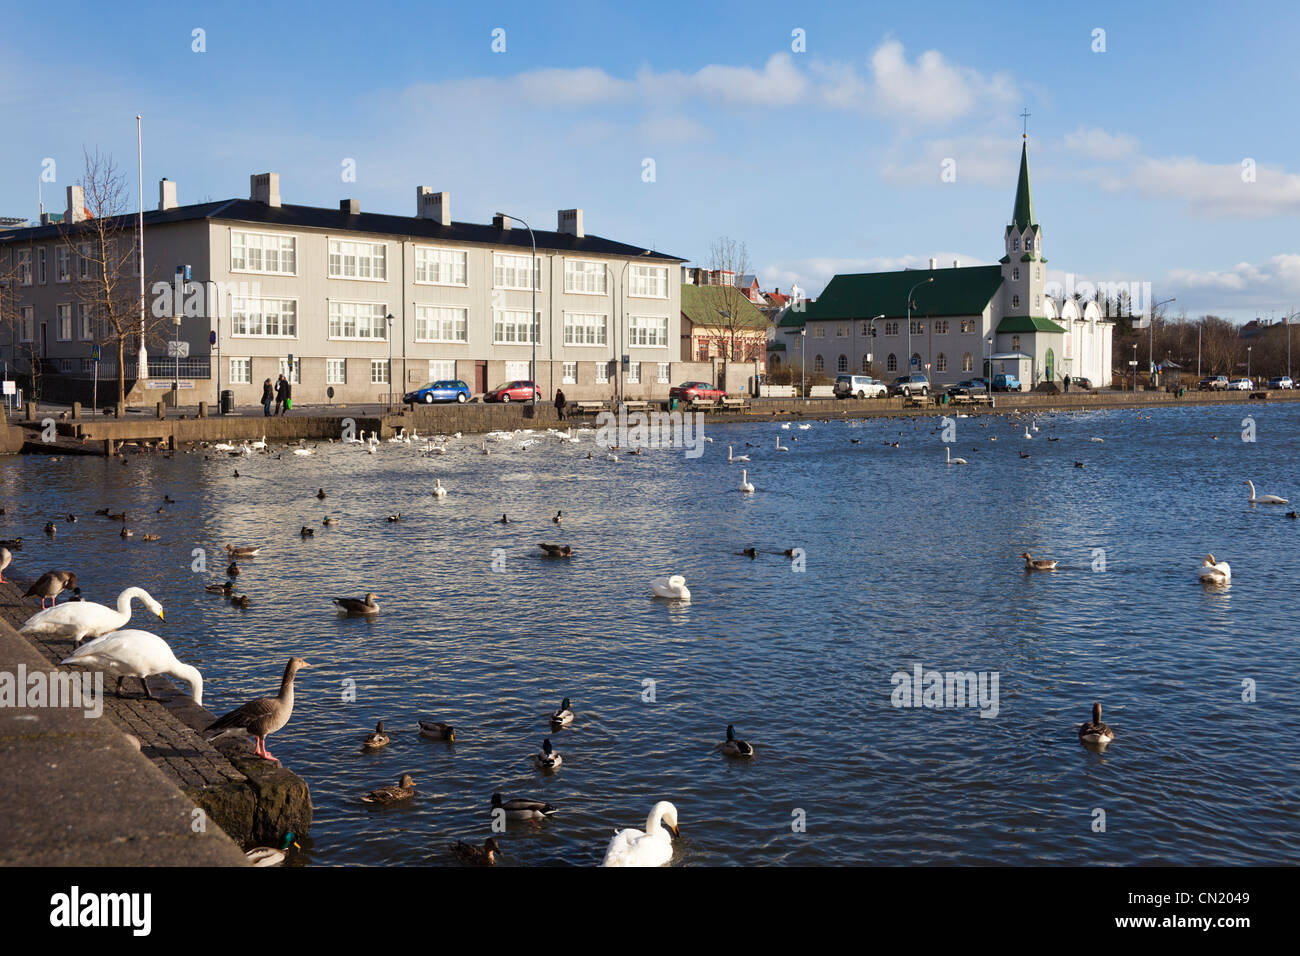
<point>189,368</point>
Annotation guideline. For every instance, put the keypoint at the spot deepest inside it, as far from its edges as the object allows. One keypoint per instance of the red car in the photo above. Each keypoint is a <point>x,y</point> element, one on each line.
<point>521,391</point>
<point>696,391</point>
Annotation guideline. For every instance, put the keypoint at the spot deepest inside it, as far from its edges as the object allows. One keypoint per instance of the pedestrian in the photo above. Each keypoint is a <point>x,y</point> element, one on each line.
<point>559,403</point>
<point>268,396</point>
<point>281,393</point>
<point>1067,382</point>
<point>288,395</point>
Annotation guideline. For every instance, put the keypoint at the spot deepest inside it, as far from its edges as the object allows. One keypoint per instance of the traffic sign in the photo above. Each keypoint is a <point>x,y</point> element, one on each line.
<point>178,349</point>
<point>94,353</point>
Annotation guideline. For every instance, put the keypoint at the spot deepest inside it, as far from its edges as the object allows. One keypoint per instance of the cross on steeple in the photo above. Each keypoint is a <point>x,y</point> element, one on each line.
<point>1024,118</point>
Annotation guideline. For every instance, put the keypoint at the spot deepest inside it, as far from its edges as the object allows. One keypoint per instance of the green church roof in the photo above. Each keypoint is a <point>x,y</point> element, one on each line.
<point>963,291</point>
<point>1028,323</point>
<point>1023,217</point>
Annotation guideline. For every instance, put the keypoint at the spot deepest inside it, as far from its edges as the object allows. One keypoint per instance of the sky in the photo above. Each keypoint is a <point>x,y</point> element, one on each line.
<point>828,138</point>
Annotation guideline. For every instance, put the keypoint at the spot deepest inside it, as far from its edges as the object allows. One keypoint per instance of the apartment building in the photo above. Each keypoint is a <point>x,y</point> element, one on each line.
<point>339,300</point>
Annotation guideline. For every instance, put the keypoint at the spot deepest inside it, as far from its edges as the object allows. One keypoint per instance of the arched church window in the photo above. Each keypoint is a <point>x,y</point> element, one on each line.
<point>843,365</point>
<point>967,363</point>
<point>1015,273</point>
<point>891,363</point>
<point>1015,244</point>
<point>941,363</point>
<point>818,365</point>
<point>1015,302</point>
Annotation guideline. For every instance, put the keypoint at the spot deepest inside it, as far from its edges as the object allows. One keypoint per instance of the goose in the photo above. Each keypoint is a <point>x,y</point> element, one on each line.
<point>733,458</point>
<point>1094,731</point>
<point>50,585</point>
<point>82,619</point>
<point>246,551</point>
<point>136,654</point>
<point>564,716</point>
<point>556,550</point>
<point>651,847</point>
<point>671,588</point>
<point>272,856</point>
<point>6,558</point>
<point>521,808</point>
<point>548,758</point>
<point>745,485</point>
<point>376,741</point>
<point>1214,572</point>
<point>437,730</point>
<point>366,605</point>
<point>736,748</point>
<point>263,716</point>
<point>1038,564</point>
<point>404,790</point>
<point>951,460</point>
<point>438,490</point>
<point>1263,499</point>
<point>779,446</point>
<point>485,855</point>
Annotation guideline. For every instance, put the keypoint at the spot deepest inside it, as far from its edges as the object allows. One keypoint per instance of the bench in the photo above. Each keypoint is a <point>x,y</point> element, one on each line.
<point>704,404</point>
<point>585,408</point>
<point>735,404</point>
<point>917,401</point>
<point>637,406</point>
<point>821,391</point>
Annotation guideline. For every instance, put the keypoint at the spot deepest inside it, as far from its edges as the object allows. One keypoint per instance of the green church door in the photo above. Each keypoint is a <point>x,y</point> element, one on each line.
<point>1050,365</point>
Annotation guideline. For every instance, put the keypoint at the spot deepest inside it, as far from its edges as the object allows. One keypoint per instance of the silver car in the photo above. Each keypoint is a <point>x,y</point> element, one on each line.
<point>859,386</point>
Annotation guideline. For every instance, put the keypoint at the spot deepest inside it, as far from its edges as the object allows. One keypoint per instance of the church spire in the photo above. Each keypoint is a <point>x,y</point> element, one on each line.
<point>1023,218</point>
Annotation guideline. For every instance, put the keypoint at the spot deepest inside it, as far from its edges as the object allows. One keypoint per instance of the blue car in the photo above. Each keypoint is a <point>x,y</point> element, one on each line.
<point>448,390</point>
<point>1006,383</point>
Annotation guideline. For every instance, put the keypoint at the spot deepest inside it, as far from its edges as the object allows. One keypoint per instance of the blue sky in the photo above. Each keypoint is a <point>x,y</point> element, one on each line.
<point>821,161</point>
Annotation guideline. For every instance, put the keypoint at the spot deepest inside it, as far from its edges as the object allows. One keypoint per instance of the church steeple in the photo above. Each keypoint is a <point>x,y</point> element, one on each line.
<point>1023,217</point>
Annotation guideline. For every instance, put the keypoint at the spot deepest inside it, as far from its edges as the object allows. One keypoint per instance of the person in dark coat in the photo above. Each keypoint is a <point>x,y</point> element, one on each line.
<point>268,396</point>
<point>281,393</point>
<point>1067,383</point>
<point>559,403</point>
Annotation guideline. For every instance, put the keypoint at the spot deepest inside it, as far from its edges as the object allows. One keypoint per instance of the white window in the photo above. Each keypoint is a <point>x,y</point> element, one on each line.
<point>842,330</point>
<point>891,328</point>
<point>292,372</point>
<point>439,266</point>
<point>634,373</point>
<point>85,265</point>
<point>602,373</point>
<point>516,371</point>
<point>62,264</point>
<point>968,325</point>
<point>40,265</point>
<point>570,373</point>
<point>649,282</point>
<point>87,324</point>
<point>511,328</point>
<point>648,331</point>
<point>241,371</point>
<point>441,370</point>
<point>918,328</point>
<point>819,331</point>
<point>967,362</point>
<point>64,324</point>
<point>350,259</point>
<point>263,252</point>
<point>23,257</point>
<point>664,370</point>
<point>941,363</point>
<point>511,272</point>
<point>441,324</point>
<point>378,371</point>
<point>264,318</point>
<point>336,371</point>
<point>585,278</point>
<point>358,320</point>
<point>584,328</point>
<point>28,331</point>
<point>940,326</point>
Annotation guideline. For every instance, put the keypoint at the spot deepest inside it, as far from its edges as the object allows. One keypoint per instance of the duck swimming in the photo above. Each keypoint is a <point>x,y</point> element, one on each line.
<point>485,855</point>
<point>1094,731</point>
<point>1038,564</point>
<point>549,758</point>
<point>404,790</point>
<point>376,741</point>
<point>564,716</point>
<point>734,747</point>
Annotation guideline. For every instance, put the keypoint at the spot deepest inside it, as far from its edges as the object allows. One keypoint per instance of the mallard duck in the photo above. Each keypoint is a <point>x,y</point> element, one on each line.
<point>750,552</point>
<point>376,741</point>
<point>366,605</point>
<point>71,519</point>
<point>521,808</point>
<point>321,494</point>
<point>437,730</point>
<point>559,517</point>
<point>395,517</point>
<point>243,602</point>
<point>485,855</point>
<point>307,532</point>
<point>1038,564</point>
<point>15,543</point>
<point>247,551</point>
<point>556,550</point>
<point>232,570</point>
<point>328,521</point>
<point>1094,731</point>
<point>564,716</point>
<point>404,790</point>
<point>226,589</point>
<point>271,856</point>
<point>736,748</point>
<point>549,758</point>
<point>262,716</point>
<point>127,533</point>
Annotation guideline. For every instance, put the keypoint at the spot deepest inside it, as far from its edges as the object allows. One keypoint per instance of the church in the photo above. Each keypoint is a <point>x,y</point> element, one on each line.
<point>952,323</point>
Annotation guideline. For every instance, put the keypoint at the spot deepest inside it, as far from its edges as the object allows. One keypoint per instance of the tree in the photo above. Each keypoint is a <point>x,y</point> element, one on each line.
<point>732,317</point>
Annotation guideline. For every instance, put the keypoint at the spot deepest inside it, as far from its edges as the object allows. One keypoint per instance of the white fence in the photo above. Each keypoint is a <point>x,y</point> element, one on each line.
<point>776,391</point>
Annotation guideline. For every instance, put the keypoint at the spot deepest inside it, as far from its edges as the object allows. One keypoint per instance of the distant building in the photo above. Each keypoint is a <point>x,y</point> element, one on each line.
<point>721,324</point>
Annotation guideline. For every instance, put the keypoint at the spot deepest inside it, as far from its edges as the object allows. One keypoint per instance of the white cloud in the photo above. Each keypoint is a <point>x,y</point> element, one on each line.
<point>933,90</point>
<point>1095,143</point>
<point>1216,191</point>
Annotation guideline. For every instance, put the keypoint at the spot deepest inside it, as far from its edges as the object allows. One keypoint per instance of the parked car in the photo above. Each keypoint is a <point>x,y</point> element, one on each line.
<point>1281,381</point>
<point>971,386</point>
<point>1006,383</point>
<point>519,391</point>
<point>859,386</point>
<point>1081,382</point>
<point>1213,383</point>
<point>447,390</point>
<point>1242,385</point>
<point>914,384</point>
<point>696,391</point>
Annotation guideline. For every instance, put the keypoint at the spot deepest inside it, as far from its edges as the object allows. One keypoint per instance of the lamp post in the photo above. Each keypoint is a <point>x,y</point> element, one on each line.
<point>909,320</point>
<point>988,382</point>
<point>1286,320</point>
<point>389,319</point>
<point>1151,337</point>
<point>803,362</point>
<point>871,335</point>
<point>1248,348</point>
<point>1134,363</point>
<point>532,315</point>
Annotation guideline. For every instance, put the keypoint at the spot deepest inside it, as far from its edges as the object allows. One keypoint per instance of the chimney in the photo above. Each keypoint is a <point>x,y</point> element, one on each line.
<point>500,222</point>
<point>956,263</point>
<point>432,205</point>
<point>570,222</point>
<point>166,194</point>
<point>934,263</point>
<point>350,207</point>
<point>76,211</point>
<point>265,187</point>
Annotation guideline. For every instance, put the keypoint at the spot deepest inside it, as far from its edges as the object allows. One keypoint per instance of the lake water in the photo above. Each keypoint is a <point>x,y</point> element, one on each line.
<point>908,562</point>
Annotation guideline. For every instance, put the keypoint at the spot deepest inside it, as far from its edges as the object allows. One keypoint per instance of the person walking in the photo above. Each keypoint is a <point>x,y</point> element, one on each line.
<point>560,403</point>
<point>268,396</point>
<point>288,396</point>
<point>1067,382</point>
<point>281,388</point>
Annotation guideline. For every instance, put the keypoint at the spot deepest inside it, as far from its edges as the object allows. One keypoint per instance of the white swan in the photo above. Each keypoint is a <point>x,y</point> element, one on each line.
<point>779,446</point>
<point>951,460</point>
<point>745,486</point>
<point>136,654</point>
<point>786,426</point>
<point>653,847</point>
<point>1214,572</point>
<point>81,619</point>
<point>223,446</point>
<point>438,490</point>
<point>1097,440</point>
<point>1263,499</point>
<point>1027,435</point>
<point>672,588</point>
<point>304,451</point>
<point>259,445</point>
<point>731,458</point>
<point>804,428</point>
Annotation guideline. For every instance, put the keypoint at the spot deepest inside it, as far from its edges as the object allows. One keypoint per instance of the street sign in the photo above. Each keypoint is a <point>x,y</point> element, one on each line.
<point>158,383</point>
<point>9,387</point>
<point>94,353</point>
<point>1131,362</point>
<point>212,338</point>
<point>178,349</point>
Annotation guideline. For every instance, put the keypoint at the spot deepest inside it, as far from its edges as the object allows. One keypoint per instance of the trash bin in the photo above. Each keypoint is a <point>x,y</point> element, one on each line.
<point>227,401</point>
<point>672,404</point>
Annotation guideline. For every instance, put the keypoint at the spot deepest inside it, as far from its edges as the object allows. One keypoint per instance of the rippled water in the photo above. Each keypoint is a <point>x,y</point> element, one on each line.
<point>907,561</point>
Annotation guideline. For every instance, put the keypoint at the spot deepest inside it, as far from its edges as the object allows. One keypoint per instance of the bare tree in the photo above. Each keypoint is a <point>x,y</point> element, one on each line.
<point>733,314</point>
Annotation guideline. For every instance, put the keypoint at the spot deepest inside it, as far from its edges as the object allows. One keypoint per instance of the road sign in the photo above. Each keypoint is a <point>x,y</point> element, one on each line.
<point>94,353</point>
<point>1131,362</point>
<point>212,338</point>
<point>9,387</point>
<point>178,349</point>
<point>157,383</point>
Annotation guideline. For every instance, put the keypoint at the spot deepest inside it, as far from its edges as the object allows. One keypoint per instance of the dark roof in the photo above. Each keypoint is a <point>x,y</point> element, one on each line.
<point>1028,323</point>
<point>703,305</point>
<point>380,224</point>
<point>1023,217</point>
<point>963,291</point>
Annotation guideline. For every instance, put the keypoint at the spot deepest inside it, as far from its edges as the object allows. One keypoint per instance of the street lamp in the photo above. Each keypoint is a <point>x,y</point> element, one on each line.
<point>803,362</point>
<point>1151,335</point>
<point>532,315</point>
<point>909,320</point>
<point>389,319</point>
<point>1248,348</point>
<point>1134,363</point>
<point>1286,320</point>
<point>988,382</point>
